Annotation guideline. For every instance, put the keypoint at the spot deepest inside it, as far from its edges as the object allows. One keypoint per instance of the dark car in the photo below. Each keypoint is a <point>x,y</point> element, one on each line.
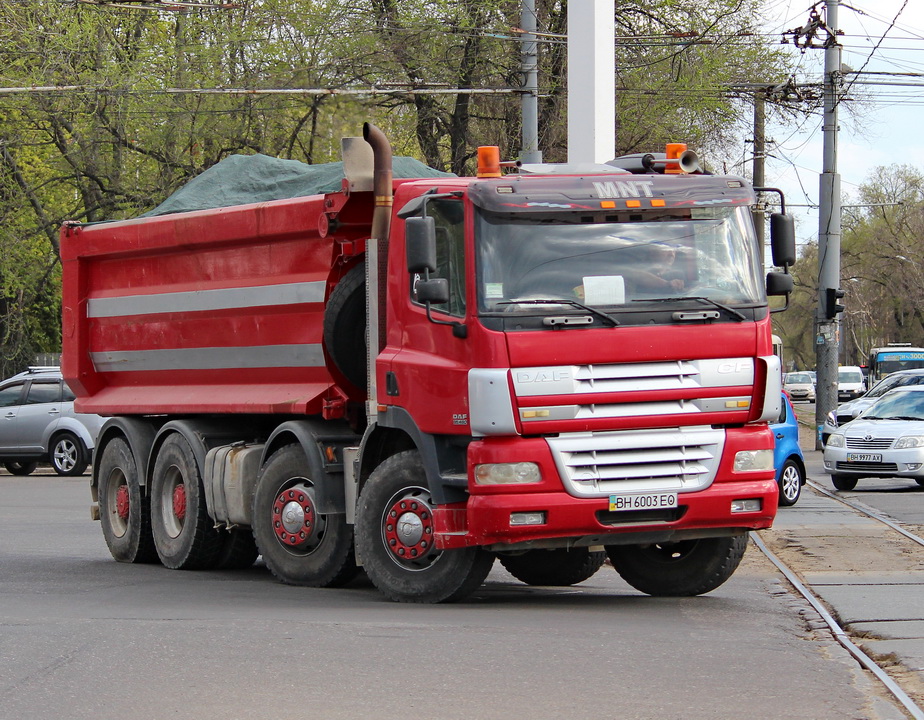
<point>787,455</point>
<point>38,424</point>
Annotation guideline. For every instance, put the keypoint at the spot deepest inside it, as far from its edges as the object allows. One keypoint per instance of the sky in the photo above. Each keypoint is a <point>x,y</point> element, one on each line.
<point>890,132</point>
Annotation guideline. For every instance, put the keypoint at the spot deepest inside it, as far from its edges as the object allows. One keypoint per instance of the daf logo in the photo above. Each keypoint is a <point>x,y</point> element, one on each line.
<point>735,367</point>
<point>542,376</point>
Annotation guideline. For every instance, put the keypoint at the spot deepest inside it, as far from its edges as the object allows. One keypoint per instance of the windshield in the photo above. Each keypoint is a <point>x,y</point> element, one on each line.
<point>703,252</point>
<point>798,379</point>
<point>851,376</point>
<point>897,405</point>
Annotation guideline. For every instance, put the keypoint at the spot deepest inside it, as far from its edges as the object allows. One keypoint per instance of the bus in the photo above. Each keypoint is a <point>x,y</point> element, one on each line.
<point>895,356</point>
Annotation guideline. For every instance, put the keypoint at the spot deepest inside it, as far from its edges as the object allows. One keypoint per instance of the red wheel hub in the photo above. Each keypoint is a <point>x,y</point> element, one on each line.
<point>123,502</point>
<point>179,501</point>
<point>408,529</point>
<point>294,516</point>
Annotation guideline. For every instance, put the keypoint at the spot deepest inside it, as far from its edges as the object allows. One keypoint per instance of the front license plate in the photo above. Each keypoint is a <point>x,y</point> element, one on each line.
<point>643,501</point>
<point>863,457</point>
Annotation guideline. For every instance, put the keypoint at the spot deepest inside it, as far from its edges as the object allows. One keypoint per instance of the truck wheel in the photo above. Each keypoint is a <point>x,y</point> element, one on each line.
<point>184,535</point>
<point>558,568</point>
<point>68,456</point>
<point>345,325</point>
<point>124,512</point>
<point>844,482</point>
<point>394,537</point>
<point>299,545</point>
<point>238,550</point>
<point>20,468</point>
<point>790,483</point>
<point>689,567</point>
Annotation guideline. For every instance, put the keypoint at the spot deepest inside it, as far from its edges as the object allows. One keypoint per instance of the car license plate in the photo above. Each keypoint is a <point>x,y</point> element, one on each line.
<point>643,501</point>
<point>864,457</point>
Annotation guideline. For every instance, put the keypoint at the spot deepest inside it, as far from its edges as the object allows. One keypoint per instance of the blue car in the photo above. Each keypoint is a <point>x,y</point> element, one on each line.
<point>787,455</point>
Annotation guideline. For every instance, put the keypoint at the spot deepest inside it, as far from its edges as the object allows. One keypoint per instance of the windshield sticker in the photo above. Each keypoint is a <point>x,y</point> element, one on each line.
<point>494,290</point>
<point>605,290</point>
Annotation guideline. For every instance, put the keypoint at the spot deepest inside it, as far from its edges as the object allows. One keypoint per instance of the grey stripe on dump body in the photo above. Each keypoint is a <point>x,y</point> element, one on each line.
<point>209,358</point>
<point>199,300</point>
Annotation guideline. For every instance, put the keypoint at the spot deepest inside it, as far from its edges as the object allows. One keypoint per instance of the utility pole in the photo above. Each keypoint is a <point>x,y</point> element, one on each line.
<point>827,334</point>
<point>760,156</point>
<point>529,103</point>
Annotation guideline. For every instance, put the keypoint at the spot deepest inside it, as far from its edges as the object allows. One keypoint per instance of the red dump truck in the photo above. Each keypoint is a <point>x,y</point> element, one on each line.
<point>545,366</point>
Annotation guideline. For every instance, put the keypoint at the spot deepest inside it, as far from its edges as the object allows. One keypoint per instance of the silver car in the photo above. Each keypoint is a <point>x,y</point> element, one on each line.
<point>847,411</point>
<point>886,440</point>
<point>38,424</point>
<point>799,386</point>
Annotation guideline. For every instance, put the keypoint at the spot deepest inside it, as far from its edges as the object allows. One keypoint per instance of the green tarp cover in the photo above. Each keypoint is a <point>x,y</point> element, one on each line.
<point>244,179</point>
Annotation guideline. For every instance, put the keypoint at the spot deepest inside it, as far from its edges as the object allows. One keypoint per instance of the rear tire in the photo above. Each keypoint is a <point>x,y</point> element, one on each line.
<point>686,568</point>
<point>394,537</point>
<point>299,545</point>
<point>68,455</point>
<point>790,483</point>
<point>844,482</point>
<point>184,535</point>
<point>124,512</point>
<point>557,568</point>
<point>20,468</point>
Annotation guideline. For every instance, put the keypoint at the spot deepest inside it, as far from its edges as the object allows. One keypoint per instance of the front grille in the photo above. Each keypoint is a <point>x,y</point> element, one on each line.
<point>870,467</point>
<point>858,443</point>
<point>597,464</point>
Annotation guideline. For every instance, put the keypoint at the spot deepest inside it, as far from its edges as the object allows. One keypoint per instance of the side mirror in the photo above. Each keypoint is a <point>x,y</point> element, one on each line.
<point>779,283</point>
<point>435,291</point>
<point>783,239</point>
<point>420,244</point>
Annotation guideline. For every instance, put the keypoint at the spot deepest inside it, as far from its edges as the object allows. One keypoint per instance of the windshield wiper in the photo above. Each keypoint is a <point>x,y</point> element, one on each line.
<point>573,303</point>
<point>709,301</point>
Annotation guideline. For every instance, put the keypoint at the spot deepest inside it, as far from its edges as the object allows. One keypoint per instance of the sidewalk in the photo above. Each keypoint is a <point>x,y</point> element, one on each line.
<point>870,577</point>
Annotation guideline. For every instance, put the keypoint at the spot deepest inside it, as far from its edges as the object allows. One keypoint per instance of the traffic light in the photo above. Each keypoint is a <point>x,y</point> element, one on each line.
<point>832,306</point>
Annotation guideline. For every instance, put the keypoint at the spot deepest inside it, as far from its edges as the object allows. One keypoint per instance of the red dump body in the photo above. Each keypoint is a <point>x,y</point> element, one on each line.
<point>214,311</point>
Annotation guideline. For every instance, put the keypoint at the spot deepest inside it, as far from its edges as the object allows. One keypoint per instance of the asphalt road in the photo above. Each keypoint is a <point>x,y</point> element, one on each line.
<point>82,636</point>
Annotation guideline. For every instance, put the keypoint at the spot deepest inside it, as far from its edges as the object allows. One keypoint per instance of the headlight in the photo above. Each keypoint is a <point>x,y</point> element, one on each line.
<point>836,440</point>
<point>832,419</point>
<point>507,473</point>
<point>753,460</point>
<point>909,441</point>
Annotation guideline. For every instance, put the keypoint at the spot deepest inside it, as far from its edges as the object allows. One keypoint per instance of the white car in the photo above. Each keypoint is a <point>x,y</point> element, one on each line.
<point>38,424</point>
<point>886,440</point>
<point>799,386</point>
<point>850,382</point>
<point>847,411</point>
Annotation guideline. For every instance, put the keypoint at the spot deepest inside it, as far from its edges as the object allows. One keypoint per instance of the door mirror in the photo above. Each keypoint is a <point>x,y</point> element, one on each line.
<point>420,244</point>
<point>782,239</point>
<point>435,291</point>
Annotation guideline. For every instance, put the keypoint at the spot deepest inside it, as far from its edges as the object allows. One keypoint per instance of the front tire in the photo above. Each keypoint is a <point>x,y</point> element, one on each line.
<point>184,535</point>
<point>790,482</point>
<point>686,568</point>
<point>299,545</point>
<point>556,568</point>
<point>394,537</point>
<point>124,512</point>
<point>844,482</point>
<point>68,455</point>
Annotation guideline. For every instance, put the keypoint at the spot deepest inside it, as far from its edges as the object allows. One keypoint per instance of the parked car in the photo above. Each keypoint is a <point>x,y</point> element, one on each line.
<point>787,455</point>
<point>886,440</point>
<point>38,424</point>
<point>851,383</point>
<point>847,411</point>
<point>799,386</point>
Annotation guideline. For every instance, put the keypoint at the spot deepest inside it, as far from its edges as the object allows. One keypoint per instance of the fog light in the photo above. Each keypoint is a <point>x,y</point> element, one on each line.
<point>753,460</point>
<point>527,518</point>
<point>507,473</point>
<point>913,466</point>
<point>746,506</point>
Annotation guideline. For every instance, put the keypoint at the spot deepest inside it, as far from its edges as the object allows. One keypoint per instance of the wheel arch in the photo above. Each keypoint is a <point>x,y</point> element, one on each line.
<point>444,456</point>
<point>137,433</point>
<point>322,442</point>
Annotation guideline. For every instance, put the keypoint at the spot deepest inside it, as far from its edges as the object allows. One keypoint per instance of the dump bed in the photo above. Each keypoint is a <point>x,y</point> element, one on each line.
<point>213,311</point>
